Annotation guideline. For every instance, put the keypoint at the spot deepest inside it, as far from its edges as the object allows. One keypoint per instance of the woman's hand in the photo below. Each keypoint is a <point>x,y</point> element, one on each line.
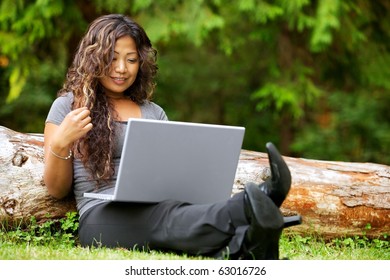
<point>75,125</point>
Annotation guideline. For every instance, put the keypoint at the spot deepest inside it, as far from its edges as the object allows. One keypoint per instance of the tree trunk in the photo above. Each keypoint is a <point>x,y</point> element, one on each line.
<point>22,190</point>
<point>335,199</point>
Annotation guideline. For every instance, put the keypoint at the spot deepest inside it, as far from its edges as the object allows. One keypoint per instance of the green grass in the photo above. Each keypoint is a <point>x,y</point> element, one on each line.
<point>292,247</point>
<point>298,247</point>
<point>53,252</point>
<point>57,241</point>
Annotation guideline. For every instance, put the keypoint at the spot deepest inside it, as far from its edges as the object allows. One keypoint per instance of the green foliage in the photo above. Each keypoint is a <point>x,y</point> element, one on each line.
<point>301,73</point>
<point>27,113</point>
<point>193,20</point>
<point>327,20</point>
<point>361,242</point>
<point>30,33</point>
<point>298,247</point>
<point>291,95</point>
<point>357,124</point>
<point>50,233</point>
<point>260,11</point>
<point>114,6</point>
<point>17,81</point>
<point>376,72</point>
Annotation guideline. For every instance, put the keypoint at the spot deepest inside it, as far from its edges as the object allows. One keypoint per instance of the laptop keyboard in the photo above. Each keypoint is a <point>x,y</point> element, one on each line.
<point>101,196</point>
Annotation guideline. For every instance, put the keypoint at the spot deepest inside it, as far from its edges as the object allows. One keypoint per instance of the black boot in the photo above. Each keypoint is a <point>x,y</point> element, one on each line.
<point>265,226</point>
<point>278,186</point>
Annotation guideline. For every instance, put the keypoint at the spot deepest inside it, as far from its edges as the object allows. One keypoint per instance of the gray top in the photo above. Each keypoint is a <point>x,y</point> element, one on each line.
<point>82,181</point>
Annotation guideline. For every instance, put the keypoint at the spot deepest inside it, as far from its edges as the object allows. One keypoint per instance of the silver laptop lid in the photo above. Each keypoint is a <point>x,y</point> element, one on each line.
<point>183,161</point>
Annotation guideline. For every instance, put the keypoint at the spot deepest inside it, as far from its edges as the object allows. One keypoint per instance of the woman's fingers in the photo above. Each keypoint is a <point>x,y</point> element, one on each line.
<point>84,119</point>
<point>76,124</point>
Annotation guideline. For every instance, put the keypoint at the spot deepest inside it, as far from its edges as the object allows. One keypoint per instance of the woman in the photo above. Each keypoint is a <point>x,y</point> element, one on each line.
<point>112,79</point>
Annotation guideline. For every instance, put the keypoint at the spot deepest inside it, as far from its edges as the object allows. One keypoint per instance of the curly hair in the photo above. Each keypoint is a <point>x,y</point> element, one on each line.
<point>92,61</point>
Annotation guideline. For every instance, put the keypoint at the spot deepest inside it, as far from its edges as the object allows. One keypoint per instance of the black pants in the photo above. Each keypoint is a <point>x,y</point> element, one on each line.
<point>209,230</point>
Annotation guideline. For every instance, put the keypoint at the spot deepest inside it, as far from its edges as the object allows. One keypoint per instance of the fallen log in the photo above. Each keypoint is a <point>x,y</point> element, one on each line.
<point>335,199</point>
<point>22,191</point>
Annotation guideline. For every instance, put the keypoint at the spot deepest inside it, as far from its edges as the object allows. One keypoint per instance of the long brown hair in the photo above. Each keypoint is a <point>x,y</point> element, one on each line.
<point>92,61</point>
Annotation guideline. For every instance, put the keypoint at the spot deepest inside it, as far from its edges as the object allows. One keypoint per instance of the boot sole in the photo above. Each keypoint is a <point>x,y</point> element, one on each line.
<point>280,173</point>
<point>268,225</point>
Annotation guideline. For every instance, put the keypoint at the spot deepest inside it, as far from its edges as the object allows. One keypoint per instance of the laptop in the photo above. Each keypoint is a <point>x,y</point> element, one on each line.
<point>185,161</point>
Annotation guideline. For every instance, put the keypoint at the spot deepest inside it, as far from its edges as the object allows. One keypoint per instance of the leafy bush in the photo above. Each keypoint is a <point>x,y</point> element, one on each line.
<point>61,232</point>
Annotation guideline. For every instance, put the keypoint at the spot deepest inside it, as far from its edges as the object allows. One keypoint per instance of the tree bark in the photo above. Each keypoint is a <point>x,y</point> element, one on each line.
<point>22,191</point>
<point>335,199</point>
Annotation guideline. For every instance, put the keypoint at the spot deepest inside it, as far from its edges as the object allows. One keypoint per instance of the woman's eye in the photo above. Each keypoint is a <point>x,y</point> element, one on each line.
<point>132,60</point>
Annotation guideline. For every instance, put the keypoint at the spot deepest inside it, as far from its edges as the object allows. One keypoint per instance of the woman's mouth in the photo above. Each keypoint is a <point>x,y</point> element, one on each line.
<point>118,80</point>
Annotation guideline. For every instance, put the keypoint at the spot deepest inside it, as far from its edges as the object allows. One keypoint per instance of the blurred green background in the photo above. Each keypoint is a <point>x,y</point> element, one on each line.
<point>311,76</point>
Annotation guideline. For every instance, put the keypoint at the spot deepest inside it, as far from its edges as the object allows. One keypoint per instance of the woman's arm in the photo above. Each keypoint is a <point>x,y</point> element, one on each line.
<point>58,170</point>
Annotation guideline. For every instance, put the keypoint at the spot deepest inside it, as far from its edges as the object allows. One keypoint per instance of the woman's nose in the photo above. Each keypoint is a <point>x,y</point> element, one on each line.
<point>120,66</point>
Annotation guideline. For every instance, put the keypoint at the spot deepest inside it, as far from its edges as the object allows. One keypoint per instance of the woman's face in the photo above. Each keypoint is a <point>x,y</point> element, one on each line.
<point>124,68</point>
